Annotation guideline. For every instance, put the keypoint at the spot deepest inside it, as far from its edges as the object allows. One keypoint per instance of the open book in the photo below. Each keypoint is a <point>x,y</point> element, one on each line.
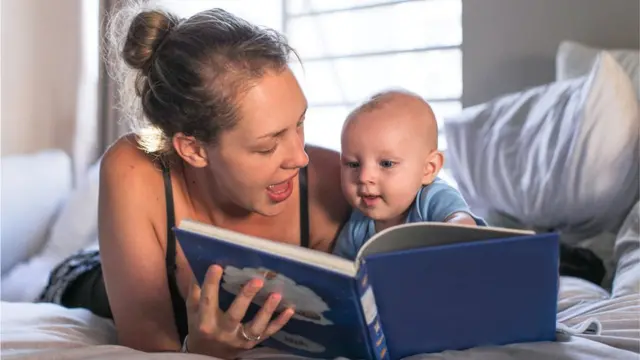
<point>414,288</point>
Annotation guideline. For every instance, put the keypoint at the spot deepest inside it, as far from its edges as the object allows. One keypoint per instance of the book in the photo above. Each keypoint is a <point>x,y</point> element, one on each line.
<point>413,288</point>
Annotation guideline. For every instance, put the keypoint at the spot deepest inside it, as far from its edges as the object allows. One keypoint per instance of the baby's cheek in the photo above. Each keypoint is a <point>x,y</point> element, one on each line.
<point>348,186</point>
<point>346,192</point>
<point>405,192</point>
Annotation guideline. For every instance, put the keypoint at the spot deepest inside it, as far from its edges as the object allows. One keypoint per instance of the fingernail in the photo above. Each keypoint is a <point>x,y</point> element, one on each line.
<point>257,283</point>
<point>276,297</point>
<point>215,269</point>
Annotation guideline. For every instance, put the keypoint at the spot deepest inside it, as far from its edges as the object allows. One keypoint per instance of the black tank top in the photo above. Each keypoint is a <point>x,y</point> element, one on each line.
<point>178,303</point>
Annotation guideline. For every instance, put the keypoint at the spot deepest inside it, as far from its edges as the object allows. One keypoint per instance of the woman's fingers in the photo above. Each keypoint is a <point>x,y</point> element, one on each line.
<point>202,304</point>
<point>261,320</point>
<point>211,328</point>
<point>238,308</point>
<point>278,322</point>
<point>208,304</point>
<point>193,298</point>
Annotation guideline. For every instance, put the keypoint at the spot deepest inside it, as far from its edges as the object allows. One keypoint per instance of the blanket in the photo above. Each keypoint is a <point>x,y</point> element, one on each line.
<point>48,331</point>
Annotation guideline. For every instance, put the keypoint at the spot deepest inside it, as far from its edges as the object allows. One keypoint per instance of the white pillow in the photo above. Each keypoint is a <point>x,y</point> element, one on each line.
<point>562,156</point>
<point>75,228</point>
<point>34,187</point>
<point>575,60</point>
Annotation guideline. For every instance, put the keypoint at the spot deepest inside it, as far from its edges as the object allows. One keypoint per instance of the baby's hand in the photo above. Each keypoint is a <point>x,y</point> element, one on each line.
<point>462,218</point>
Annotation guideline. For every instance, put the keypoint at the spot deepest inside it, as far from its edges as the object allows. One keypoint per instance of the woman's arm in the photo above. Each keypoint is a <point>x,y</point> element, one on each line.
<point>133,258</point>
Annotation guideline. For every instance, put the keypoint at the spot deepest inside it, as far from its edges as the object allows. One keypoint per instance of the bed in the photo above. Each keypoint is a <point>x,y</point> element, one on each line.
<point>44,221</point>
<point>47,331</point>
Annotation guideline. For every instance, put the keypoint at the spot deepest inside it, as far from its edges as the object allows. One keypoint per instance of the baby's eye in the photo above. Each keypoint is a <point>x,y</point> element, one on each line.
<point>352,164</point>
<point>387,163</point>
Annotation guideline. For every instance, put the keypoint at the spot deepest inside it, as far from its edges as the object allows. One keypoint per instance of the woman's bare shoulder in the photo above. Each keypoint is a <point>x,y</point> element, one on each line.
<point>324,183</point>
<point>127,164</point>
<point>130,183</point>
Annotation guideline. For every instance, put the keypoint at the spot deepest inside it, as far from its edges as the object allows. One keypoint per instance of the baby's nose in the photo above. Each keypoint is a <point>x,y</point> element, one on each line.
<point>366,175</point>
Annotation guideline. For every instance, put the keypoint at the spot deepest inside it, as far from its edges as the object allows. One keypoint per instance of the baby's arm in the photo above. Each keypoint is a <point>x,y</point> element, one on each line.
<point>443,203</point>
<point>460,217</point>
<point>345,246</point>
<point>351,237</point>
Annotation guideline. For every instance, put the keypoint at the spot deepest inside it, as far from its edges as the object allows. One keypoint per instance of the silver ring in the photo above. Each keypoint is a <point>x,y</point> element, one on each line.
<point>247,337</point>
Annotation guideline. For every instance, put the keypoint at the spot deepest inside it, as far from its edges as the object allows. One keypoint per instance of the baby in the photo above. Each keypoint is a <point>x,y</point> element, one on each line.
<point>390,163</point>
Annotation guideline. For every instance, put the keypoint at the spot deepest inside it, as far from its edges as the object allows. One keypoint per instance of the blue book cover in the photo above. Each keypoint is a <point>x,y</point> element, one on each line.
<point>414,288</point>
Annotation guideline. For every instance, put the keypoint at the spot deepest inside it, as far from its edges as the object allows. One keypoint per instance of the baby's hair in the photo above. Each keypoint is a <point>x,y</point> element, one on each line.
<point>380,99</point>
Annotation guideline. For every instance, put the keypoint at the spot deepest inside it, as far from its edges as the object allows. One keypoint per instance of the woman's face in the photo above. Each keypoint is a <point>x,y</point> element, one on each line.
<point>255,165</point>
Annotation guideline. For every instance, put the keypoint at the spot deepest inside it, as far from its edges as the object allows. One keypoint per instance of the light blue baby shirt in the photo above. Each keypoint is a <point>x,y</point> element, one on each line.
<point>434,202</point>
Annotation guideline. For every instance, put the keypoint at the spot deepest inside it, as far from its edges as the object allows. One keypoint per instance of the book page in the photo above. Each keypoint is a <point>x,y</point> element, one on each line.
<point>297,253</point>
<point>424,234</point>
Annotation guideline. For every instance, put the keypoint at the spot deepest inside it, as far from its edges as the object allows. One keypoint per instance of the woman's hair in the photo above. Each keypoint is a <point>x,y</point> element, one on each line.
<point>186,75</point>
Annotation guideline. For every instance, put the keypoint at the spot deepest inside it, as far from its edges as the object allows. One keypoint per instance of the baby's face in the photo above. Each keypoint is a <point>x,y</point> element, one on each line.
<point>382,165</point>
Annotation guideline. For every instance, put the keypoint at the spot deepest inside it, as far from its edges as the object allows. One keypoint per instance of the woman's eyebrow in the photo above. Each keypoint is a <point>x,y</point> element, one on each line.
<point>304,112</point>
<point>278,133</point>
<point>274,134</point>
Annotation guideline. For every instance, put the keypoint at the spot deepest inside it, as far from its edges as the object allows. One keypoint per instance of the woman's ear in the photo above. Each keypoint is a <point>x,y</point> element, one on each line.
<point>190,150</point>
<point>432,165</point>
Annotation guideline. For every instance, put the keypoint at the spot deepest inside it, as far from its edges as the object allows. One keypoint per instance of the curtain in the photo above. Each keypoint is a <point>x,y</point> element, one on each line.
<point>110,125</point>
<point>97,119</point>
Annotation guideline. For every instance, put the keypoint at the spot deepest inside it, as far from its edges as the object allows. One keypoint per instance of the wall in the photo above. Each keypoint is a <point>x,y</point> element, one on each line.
<point>509,45</point>
<point>40,61</point>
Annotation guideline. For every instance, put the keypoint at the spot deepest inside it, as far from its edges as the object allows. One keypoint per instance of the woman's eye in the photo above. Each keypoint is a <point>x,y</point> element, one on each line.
<point>387,163</point>
<point>269,151</point>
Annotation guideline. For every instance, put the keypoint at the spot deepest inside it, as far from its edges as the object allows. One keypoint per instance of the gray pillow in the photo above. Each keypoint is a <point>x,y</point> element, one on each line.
<point>575,59</point>
<point>562,156</point>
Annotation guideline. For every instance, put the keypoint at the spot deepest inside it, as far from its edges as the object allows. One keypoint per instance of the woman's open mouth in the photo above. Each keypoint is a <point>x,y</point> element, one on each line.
<point>281,191</point>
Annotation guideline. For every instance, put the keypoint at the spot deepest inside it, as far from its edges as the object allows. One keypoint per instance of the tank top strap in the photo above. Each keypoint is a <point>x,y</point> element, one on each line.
<point>304,208</point>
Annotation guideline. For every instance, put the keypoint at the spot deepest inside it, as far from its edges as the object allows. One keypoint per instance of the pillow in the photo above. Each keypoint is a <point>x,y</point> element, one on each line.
<point>77,226</point>
<point>34,187</point>
<point>575,60</point>
<point>562,156</point>
<point>74,229</point>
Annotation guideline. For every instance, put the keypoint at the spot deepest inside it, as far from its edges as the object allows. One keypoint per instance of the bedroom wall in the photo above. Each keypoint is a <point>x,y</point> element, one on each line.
<point>40,60</point>
<point>509,45</point>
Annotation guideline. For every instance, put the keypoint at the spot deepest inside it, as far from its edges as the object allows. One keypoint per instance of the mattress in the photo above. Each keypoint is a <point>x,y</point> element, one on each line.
<point>46,331</point>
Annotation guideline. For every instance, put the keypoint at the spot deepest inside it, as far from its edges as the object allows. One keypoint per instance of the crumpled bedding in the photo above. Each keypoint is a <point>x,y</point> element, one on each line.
<point>48,331</point>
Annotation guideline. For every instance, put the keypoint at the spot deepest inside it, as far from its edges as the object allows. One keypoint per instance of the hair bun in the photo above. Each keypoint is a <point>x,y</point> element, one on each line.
<point>146,32</point>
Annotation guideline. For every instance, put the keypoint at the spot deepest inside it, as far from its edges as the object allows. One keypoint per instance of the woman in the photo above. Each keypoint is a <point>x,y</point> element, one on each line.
<point>223,144</point>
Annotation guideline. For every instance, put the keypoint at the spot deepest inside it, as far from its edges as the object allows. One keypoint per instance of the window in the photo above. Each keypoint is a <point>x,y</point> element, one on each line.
<point>353,48</point>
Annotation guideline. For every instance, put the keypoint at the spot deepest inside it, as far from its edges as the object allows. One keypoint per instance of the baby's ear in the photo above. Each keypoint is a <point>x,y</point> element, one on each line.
<point>432,165</point>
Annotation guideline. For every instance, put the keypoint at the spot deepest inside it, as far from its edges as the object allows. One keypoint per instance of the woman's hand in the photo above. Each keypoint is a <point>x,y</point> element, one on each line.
<point>216,333</point>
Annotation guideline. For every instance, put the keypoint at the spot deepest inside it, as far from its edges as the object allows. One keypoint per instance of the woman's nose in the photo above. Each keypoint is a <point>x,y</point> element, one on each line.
<point>297,158</point>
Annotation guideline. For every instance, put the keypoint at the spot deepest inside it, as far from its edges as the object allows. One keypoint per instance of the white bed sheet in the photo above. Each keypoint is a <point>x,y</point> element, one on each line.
<point>47,331</point>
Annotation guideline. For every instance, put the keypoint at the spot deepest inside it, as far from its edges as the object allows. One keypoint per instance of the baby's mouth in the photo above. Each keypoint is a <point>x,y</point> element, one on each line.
<point>370,200</point>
